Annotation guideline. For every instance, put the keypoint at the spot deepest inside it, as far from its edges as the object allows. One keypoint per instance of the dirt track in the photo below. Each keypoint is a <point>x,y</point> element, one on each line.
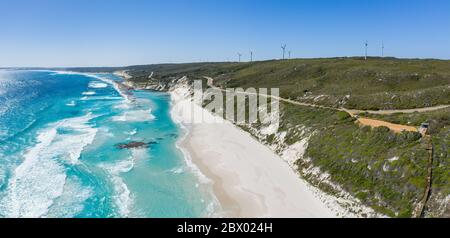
<point>389,112</point>
<point>363,121</point>
<point>394,127</point>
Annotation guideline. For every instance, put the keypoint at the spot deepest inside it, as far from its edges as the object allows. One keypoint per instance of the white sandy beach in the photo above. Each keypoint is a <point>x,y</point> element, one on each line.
<point>249,180</point>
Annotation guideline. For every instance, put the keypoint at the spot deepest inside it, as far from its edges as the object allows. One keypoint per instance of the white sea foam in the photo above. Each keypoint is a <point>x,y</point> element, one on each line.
<point>2,175</point>
<point>90,93</point>
<point>188,160</point>
<point>123,166</point>
<point>71,201</point>
<point>131,133</point>
<point>58,72</point>
<point>178,170</point>
<point>36,182</point>
<point>123,197</point>
<point>69,146</point>
<point>41,177</point>
<point>96,98</point>
<point>95,84</point>
<point>134,132</point>
<point>71,104</point>
<point>111,82</point>
<point>123,106</point>
<point>103,83</point>
<point>178,119</point>
<point>135,116</point>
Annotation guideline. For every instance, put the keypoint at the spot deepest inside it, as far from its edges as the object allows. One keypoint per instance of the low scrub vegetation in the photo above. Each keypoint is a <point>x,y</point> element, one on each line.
<point>384,170</point>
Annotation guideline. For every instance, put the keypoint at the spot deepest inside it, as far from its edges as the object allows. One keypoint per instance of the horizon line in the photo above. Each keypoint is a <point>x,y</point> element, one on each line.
<point>206,61</point>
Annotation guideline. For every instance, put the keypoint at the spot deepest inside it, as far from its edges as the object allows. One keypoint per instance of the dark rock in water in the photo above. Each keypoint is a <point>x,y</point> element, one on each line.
<point>135,145</point>
<point>173,135</point>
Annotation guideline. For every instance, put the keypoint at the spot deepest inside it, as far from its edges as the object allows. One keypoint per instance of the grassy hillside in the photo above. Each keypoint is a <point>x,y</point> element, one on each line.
<point>384,170</point>
<point>440,133</point>
<point>378,83</point>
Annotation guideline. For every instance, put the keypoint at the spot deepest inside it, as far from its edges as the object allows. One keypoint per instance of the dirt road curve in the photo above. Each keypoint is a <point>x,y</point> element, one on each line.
<point>389,112</point>
<point>363,121</point>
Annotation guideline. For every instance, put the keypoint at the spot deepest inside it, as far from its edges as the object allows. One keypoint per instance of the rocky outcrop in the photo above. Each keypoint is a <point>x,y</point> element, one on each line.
<point>135,145</point>
<point>158,84</point>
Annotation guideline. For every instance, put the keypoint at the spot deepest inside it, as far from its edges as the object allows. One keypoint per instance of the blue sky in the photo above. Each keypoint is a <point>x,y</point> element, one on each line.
<point>116,32</point>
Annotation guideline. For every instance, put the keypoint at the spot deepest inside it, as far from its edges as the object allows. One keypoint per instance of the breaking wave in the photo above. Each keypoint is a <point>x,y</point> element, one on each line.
<point>97,85</point>
<point>90,93</point>
<point>71,202</point>
<point>41,178</point>
<point>135,116</point>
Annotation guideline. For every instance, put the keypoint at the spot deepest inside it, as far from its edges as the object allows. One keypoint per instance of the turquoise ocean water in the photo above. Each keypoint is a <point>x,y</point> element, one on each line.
<point>59,157</point>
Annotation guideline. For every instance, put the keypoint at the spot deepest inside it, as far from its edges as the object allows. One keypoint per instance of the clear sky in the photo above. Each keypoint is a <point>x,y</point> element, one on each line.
<point>119,32</point>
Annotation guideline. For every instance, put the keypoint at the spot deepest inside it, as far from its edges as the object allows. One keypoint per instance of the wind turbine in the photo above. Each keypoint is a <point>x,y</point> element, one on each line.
<point>289,54</point>
<point>239,54</point>
<point>284,49</point>
<point>382,49</point>
<point>251,56</point>
<point>366,44</point>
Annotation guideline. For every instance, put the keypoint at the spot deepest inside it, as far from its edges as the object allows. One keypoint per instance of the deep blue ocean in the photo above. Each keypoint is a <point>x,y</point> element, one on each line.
<point>59,153</point>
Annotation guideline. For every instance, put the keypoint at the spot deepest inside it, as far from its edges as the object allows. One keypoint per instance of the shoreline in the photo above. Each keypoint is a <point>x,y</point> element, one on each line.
<point>248,179</point>
<point>224,205</point>
<point>229,207</point>
<point>187,156</point>
<point>200,171</point>
<point>123,74</point>
<point>343,205</point>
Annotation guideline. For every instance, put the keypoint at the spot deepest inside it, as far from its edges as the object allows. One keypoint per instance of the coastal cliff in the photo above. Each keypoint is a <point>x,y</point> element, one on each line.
<point>366,171</point>
<point>340,202</point>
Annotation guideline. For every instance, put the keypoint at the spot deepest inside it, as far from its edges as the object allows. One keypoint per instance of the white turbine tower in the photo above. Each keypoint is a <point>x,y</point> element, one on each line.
<point>382,49</point>
<point>284,49</point>
<point>251,56</point>
<point>239,55</point>
<point>289,54</point>
<point>366,44</point>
